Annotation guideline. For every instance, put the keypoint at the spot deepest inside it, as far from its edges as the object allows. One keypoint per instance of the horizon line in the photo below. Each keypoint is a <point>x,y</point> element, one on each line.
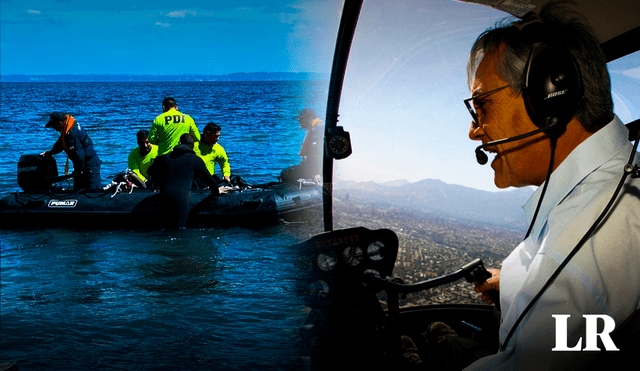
<point>161,74</point>
<point>403,182</point>
<point>131,77</point>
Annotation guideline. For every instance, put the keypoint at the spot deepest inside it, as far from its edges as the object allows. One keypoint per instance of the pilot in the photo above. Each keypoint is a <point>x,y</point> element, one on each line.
<point>576,164</point>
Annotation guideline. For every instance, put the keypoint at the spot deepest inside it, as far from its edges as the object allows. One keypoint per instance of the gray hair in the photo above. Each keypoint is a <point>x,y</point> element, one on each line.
<point>566,28</point>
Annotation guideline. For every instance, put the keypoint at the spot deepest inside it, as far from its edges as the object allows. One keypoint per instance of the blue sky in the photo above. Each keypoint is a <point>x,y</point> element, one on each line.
<point>167,37</point>
<point>404,87</point>
<point>405,81</point>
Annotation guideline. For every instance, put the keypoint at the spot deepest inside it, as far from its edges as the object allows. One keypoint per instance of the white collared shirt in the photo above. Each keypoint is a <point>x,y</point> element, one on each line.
<point>602,278</point>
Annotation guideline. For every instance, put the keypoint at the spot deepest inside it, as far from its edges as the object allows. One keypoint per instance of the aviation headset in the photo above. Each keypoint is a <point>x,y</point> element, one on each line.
<point>551,86</point>
<point>551,79</point>
<point>552,89</point>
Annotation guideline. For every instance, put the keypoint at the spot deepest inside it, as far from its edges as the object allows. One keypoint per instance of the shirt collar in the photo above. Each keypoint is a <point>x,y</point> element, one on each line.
<point>583,160</point>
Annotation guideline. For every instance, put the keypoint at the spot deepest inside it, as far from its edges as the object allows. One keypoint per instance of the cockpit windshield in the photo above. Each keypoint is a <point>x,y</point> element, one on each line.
<point>413,167</point>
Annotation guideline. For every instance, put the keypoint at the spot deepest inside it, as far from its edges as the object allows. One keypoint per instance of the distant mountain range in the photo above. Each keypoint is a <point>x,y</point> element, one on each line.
<point>445,200</point>
<point>240,76</point>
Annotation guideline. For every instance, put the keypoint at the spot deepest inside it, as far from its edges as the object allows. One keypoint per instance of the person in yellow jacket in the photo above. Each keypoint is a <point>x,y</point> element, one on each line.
<point>212,152</point>
<point>141,157</point>
<point>169,126</point>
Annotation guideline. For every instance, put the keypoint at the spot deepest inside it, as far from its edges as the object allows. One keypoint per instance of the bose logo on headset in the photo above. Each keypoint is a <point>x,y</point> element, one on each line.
<point>555,94</point>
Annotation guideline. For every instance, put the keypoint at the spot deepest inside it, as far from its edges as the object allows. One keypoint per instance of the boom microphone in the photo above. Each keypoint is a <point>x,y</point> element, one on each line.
<point>481,156</point>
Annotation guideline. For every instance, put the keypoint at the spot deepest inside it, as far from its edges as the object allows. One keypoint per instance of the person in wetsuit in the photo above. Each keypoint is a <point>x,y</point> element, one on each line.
<point>312,149</point>
<point>75,142</point>
<point>174,174</point>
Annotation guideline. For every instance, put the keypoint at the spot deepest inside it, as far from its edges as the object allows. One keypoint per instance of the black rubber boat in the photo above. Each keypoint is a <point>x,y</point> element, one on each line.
<point>45,202</point>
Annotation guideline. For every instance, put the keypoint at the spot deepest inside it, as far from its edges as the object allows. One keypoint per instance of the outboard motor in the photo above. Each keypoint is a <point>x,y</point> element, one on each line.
<point>36,173</point>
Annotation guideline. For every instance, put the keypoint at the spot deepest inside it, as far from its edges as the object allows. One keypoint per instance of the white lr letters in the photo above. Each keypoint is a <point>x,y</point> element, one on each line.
<point>591,343</point>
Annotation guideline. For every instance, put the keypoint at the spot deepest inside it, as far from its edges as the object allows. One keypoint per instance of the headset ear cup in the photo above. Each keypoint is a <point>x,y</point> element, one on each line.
<point>552,86</point>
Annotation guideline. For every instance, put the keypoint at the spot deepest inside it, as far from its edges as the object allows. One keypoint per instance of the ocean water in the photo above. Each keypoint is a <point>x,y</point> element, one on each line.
<point>126,299</point>
<point>259,133</point>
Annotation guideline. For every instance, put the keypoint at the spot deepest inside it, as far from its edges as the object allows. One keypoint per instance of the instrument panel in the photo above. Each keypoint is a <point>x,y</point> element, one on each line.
<point>346,325</point>
<point>336,261</point>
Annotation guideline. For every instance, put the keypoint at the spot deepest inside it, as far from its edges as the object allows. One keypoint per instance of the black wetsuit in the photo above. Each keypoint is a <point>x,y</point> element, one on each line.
<point>311,164</point>
<point>86,163</point>
<point>174,174</point>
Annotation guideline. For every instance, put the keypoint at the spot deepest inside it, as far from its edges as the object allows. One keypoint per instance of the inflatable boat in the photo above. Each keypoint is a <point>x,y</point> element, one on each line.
<point>48,200</point>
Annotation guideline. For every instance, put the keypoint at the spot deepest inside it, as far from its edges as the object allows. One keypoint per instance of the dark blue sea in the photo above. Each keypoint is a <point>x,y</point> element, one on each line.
<point>127,299</point>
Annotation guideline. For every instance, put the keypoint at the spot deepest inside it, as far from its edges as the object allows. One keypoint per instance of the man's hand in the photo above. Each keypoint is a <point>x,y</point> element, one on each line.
<point>222,190</point>
<point>492,283</point>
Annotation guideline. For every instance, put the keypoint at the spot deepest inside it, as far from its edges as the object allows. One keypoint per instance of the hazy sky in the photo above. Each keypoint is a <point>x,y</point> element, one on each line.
<point>405,81</point>
<point>402,100</point>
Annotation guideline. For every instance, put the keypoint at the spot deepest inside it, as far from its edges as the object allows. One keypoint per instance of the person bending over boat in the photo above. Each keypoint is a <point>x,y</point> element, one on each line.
<point>78,146</point>
<point>174,174</point>
<point>141,157</point>
<point>312,149</point>
<point>167,128</point>
<point>212,152</point>
<point>579,166</point>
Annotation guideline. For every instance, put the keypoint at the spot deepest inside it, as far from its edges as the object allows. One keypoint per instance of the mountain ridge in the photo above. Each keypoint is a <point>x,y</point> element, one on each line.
<point>436,196</point>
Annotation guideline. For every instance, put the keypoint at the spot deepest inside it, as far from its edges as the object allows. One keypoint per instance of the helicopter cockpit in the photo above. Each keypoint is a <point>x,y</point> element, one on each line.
<point>393,82</point>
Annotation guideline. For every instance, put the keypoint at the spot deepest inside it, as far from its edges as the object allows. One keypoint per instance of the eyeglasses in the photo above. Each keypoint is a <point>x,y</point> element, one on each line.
<point>472,110</point>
